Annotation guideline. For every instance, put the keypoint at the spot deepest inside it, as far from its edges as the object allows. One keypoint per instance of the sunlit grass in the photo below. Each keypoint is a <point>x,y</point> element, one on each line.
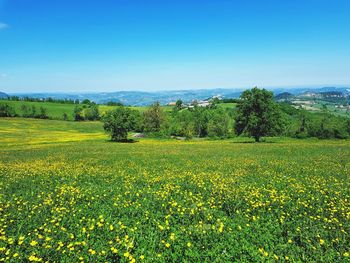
<point>88,199</point>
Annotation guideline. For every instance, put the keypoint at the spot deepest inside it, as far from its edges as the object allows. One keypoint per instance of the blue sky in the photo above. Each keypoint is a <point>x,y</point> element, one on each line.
<point>116,45</point>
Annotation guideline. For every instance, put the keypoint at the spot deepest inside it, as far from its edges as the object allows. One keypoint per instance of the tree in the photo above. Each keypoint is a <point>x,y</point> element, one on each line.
<point>42,114</point>
<point>153,118</point>
<point>91,113</point>
<point>114,103</point>
<point>7,111</point>
<point>33,114</point>
<point>347,126</point>
<point>257,114</point>
<point>118,122</point>
<point>179,104</point>
<point>218,125</point>
<point>181,124</point>
<point>78,113</point>
<point>65,116</point>
<point>86,101</point>
<point>25,111</point>
<point>201,118</point>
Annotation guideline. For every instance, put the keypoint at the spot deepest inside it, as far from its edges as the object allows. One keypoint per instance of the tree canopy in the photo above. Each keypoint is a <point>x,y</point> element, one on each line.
<point>118,122</point>
<point>257,114</point>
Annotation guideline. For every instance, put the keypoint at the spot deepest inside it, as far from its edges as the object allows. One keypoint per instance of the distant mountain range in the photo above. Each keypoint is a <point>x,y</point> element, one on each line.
<point>327,94</point>
<point>141,98</point>
<point>3,95</point>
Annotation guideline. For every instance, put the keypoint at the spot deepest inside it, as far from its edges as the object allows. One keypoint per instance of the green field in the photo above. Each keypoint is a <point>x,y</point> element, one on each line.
<point>331,108</point>
<point>56,110</point>
<point>67,194</point>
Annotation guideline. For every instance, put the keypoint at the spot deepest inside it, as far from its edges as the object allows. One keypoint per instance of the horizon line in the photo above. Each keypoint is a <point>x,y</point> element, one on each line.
<point>184,90</point>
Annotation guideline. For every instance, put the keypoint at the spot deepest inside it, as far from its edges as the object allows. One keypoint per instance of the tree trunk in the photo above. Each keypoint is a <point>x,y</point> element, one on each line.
<point>257,138</point>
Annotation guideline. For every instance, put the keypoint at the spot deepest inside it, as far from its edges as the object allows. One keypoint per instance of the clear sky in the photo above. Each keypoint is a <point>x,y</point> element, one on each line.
<point>111,45</point>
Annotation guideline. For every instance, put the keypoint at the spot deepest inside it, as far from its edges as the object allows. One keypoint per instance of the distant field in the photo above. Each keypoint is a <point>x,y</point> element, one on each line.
<point>227,105</point>
<point>67,194</point>
<point>104,108</point>
<point>56,110</point>
<point>26,132</point>
<point>331,107</point>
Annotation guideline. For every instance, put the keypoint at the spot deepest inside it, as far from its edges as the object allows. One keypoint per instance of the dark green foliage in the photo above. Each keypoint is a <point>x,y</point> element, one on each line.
<point>91,113</point>
<point>31,112</point>
<point>200,122</point>
<point>42,114</point>
<point>179,105</point>
<point>25,111</point>
<point>86,101</point>
<point>258,115</point>
<point>87,112</point>
<point>347,126</point>
<point>78,113</point>
<point>113,103</point>
<point>328,127</point>
<point>181,124</point>
<point>229,101</point>
<point>7,111</point>
<point>154,117</point>
<point>218,125</point>
<point>201,117</point>
<point>118,122</point>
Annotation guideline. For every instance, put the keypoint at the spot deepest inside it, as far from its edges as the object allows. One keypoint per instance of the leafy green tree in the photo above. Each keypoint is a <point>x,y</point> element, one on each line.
<point>91,113</point>
<point>86,101</point>
<point>179,104</point>
<point>78,113</point>
<point>258,115</point>
<point>42,114</point>
<point>25,111</point>
<point>7,111</point>
<point>119,122</point>
<point>114,103</point>
<point>218,125</point>
<point>33,114</point>
<point>303,126</point>
<point>327,128</point>
<point>181,124</point>
<point>347,126</point>
<point>201,117</point>
<point>154,117</point>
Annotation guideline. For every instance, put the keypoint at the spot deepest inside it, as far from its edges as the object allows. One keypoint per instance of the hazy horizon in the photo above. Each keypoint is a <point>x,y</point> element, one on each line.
<point>109,46</point>
<point>238,89</point>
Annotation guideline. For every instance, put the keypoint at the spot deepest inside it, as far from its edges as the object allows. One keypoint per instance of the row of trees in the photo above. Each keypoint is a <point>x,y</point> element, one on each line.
<point>52,100</point>
<point>26,111</point>
<point>49,99</point>
<point>196,122</point>
<point>256,115</point>
<point>88,112</point>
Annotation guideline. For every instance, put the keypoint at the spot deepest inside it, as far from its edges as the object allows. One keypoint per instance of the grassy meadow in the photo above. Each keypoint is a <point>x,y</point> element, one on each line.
<point>55,111</point>
<point>67,194</point>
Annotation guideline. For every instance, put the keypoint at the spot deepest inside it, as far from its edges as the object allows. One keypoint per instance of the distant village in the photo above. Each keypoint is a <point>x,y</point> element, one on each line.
<point>314,101</point>
<point>199,103</point>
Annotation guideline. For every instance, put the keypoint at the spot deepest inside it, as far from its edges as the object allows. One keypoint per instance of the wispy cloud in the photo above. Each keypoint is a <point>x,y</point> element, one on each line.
<point>3,26</point>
